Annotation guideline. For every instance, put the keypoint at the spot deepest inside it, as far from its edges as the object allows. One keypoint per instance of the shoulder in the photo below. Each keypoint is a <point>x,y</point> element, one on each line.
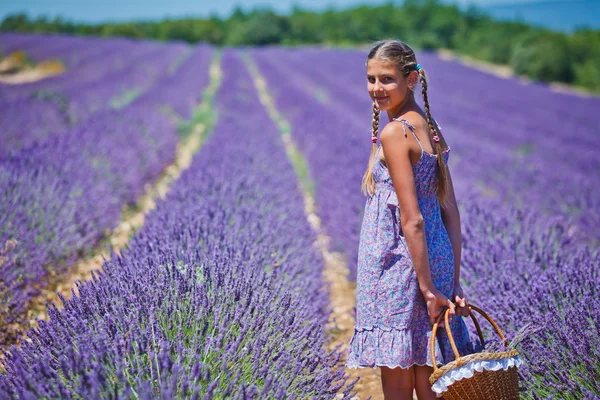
<point>396,128</point>
<point>416,120</point>
<point>394,138</point>
<point>392,130</point>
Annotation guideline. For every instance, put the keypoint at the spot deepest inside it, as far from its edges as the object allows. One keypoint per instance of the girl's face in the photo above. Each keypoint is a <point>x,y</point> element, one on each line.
<point>386,85</point>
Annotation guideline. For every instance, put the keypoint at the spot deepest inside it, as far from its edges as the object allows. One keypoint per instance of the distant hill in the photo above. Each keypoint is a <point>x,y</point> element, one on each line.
<point>560,15</point>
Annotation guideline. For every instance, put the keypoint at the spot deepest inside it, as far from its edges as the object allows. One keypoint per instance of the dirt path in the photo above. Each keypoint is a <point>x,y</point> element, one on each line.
<point>133,217</point>
<point>12,61</point>
<point>43,70</point>
<point>343,292</point>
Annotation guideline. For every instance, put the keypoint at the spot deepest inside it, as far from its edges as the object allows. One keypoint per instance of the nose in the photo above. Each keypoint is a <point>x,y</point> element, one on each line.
<point>377,87</point>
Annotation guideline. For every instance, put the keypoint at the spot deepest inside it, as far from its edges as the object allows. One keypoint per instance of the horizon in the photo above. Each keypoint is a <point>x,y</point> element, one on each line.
<point>97,11</point>
<point>548,13</point>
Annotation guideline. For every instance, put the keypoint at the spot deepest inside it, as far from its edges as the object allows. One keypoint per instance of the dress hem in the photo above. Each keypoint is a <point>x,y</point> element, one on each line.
<point>354,366</point>
<point>375,346</point>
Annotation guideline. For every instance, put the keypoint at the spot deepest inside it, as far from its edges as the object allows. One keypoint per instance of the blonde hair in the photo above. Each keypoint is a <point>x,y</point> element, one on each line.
<point>403,57</point>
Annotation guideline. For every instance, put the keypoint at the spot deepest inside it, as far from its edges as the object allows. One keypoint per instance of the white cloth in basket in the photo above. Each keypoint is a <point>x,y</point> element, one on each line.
<point>467,371</point>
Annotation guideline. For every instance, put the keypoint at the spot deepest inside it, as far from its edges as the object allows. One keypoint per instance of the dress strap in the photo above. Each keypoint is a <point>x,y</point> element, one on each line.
<point>411,128</point>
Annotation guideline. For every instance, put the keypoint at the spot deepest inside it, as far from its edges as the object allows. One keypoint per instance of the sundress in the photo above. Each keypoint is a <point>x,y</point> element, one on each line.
<point>392,324</point>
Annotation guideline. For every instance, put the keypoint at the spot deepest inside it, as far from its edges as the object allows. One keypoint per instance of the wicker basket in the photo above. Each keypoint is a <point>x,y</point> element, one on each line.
<point>480,376</point>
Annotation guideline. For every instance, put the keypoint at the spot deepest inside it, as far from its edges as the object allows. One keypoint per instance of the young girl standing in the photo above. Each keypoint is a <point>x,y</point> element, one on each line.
<point>410,241</point>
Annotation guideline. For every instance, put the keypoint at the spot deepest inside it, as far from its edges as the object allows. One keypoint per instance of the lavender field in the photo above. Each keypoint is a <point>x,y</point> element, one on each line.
<point>221,293</point>
<point>65,181</point>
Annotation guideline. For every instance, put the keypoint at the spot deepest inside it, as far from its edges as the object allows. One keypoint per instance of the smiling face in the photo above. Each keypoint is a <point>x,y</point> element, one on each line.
<point>387,86</point>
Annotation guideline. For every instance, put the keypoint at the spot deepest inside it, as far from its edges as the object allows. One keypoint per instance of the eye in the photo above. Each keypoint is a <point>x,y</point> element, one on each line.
<point>386,78</point>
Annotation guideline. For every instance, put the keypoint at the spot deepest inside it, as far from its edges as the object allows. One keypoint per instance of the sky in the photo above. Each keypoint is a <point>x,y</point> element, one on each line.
<point>95,11</point>
<point>102,10</point>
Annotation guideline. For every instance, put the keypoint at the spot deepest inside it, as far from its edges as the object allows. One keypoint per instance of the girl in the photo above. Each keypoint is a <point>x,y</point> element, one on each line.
<point>410,240</point>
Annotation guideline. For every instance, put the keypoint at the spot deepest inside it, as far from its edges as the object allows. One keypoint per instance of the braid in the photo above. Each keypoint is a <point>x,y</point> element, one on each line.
<point>368,183</point>
<point>375,120</point>
<point>442,174</point>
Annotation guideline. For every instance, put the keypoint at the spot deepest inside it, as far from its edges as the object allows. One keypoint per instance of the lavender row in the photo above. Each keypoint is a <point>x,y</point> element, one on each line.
<point>327,136</point>
<point>51,106</point>
<point>14,41</point>
<point>522,268</point>
<point>52,208</point>
<point>168,90</point>
<point>41,46</point>
<point>64,193</point>
<point>120,87</point>
<point>505,248</point>
<point>36,110</point>
<point>89,59</point>
<point>218,295</point>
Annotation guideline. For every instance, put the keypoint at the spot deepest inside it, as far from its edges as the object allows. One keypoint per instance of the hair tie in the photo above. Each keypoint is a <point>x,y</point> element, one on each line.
<point>374,139</point>
<point>418,67</point>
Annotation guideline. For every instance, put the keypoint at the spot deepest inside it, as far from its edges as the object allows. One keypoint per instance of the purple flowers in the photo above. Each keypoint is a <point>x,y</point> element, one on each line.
<point>64,189</point>
<point>219,294</point>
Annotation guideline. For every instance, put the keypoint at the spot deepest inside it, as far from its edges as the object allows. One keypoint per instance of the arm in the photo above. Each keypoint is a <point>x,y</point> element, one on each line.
<point>451,218</point>
<point>396,150</point>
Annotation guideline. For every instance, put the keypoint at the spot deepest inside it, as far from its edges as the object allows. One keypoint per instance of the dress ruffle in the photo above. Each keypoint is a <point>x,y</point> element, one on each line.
<point>467,371</point>
<point>375,346</point>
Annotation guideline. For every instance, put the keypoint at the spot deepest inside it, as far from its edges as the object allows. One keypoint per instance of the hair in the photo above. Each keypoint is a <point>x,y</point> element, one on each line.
<point>403,57</point>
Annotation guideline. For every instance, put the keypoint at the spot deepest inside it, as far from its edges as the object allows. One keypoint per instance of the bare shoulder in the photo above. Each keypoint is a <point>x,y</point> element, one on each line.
<point>419,122</point>
<point>392,131</point>
<point>393,139</point>
<point>414,118</point>
<point>397,133</point>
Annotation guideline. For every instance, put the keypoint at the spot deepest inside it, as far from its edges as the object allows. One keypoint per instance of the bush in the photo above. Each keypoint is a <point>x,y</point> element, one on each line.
<point>543,55</point>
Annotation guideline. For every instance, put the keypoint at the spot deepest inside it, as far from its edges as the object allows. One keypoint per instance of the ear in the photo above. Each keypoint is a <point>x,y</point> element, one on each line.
<point>413,79</point>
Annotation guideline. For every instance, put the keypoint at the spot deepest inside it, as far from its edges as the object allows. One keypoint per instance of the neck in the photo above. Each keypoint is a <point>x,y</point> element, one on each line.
<point>408,104</point>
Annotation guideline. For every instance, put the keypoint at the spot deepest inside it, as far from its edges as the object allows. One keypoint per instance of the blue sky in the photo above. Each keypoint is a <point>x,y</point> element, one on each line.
<point>102,10</point>
<point>555,14</point>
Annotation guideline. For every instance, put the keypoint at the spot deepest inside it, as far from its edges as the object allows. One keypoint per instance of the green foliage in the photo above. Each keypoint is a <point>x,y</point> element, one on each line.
<point>261,28</point>
<point>585,48</point>
<point>544,56</point>
<point>424,24</point>
<point>489,40</point>
<point>124,30</point>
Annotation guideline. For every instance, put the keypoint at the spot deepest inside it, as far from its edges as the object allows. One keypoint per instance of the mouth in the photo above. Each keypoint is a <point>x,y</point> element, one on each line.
<point>381,98</point>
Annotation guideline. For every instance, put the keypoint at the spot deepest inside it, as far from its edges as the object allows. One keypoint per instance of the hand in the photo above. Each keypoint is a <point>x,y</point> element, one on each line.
<point>436,301</point>
<point>462,306</point>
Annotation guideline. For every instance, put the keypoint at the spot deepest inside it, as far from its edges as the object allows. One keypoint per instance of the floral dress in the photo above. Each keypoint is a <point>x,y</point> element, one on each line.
<point>392,324</point>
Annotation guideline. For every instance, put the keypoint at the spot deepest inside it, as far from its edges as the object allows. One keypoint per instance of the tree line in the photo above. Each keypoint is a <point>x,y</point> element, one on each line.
<point>539,53</point>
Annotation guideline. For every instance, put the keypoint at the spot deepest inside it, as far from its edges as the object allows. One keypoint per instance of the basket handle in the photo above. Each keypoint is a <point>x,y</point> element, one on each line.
<point>445,312</point>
